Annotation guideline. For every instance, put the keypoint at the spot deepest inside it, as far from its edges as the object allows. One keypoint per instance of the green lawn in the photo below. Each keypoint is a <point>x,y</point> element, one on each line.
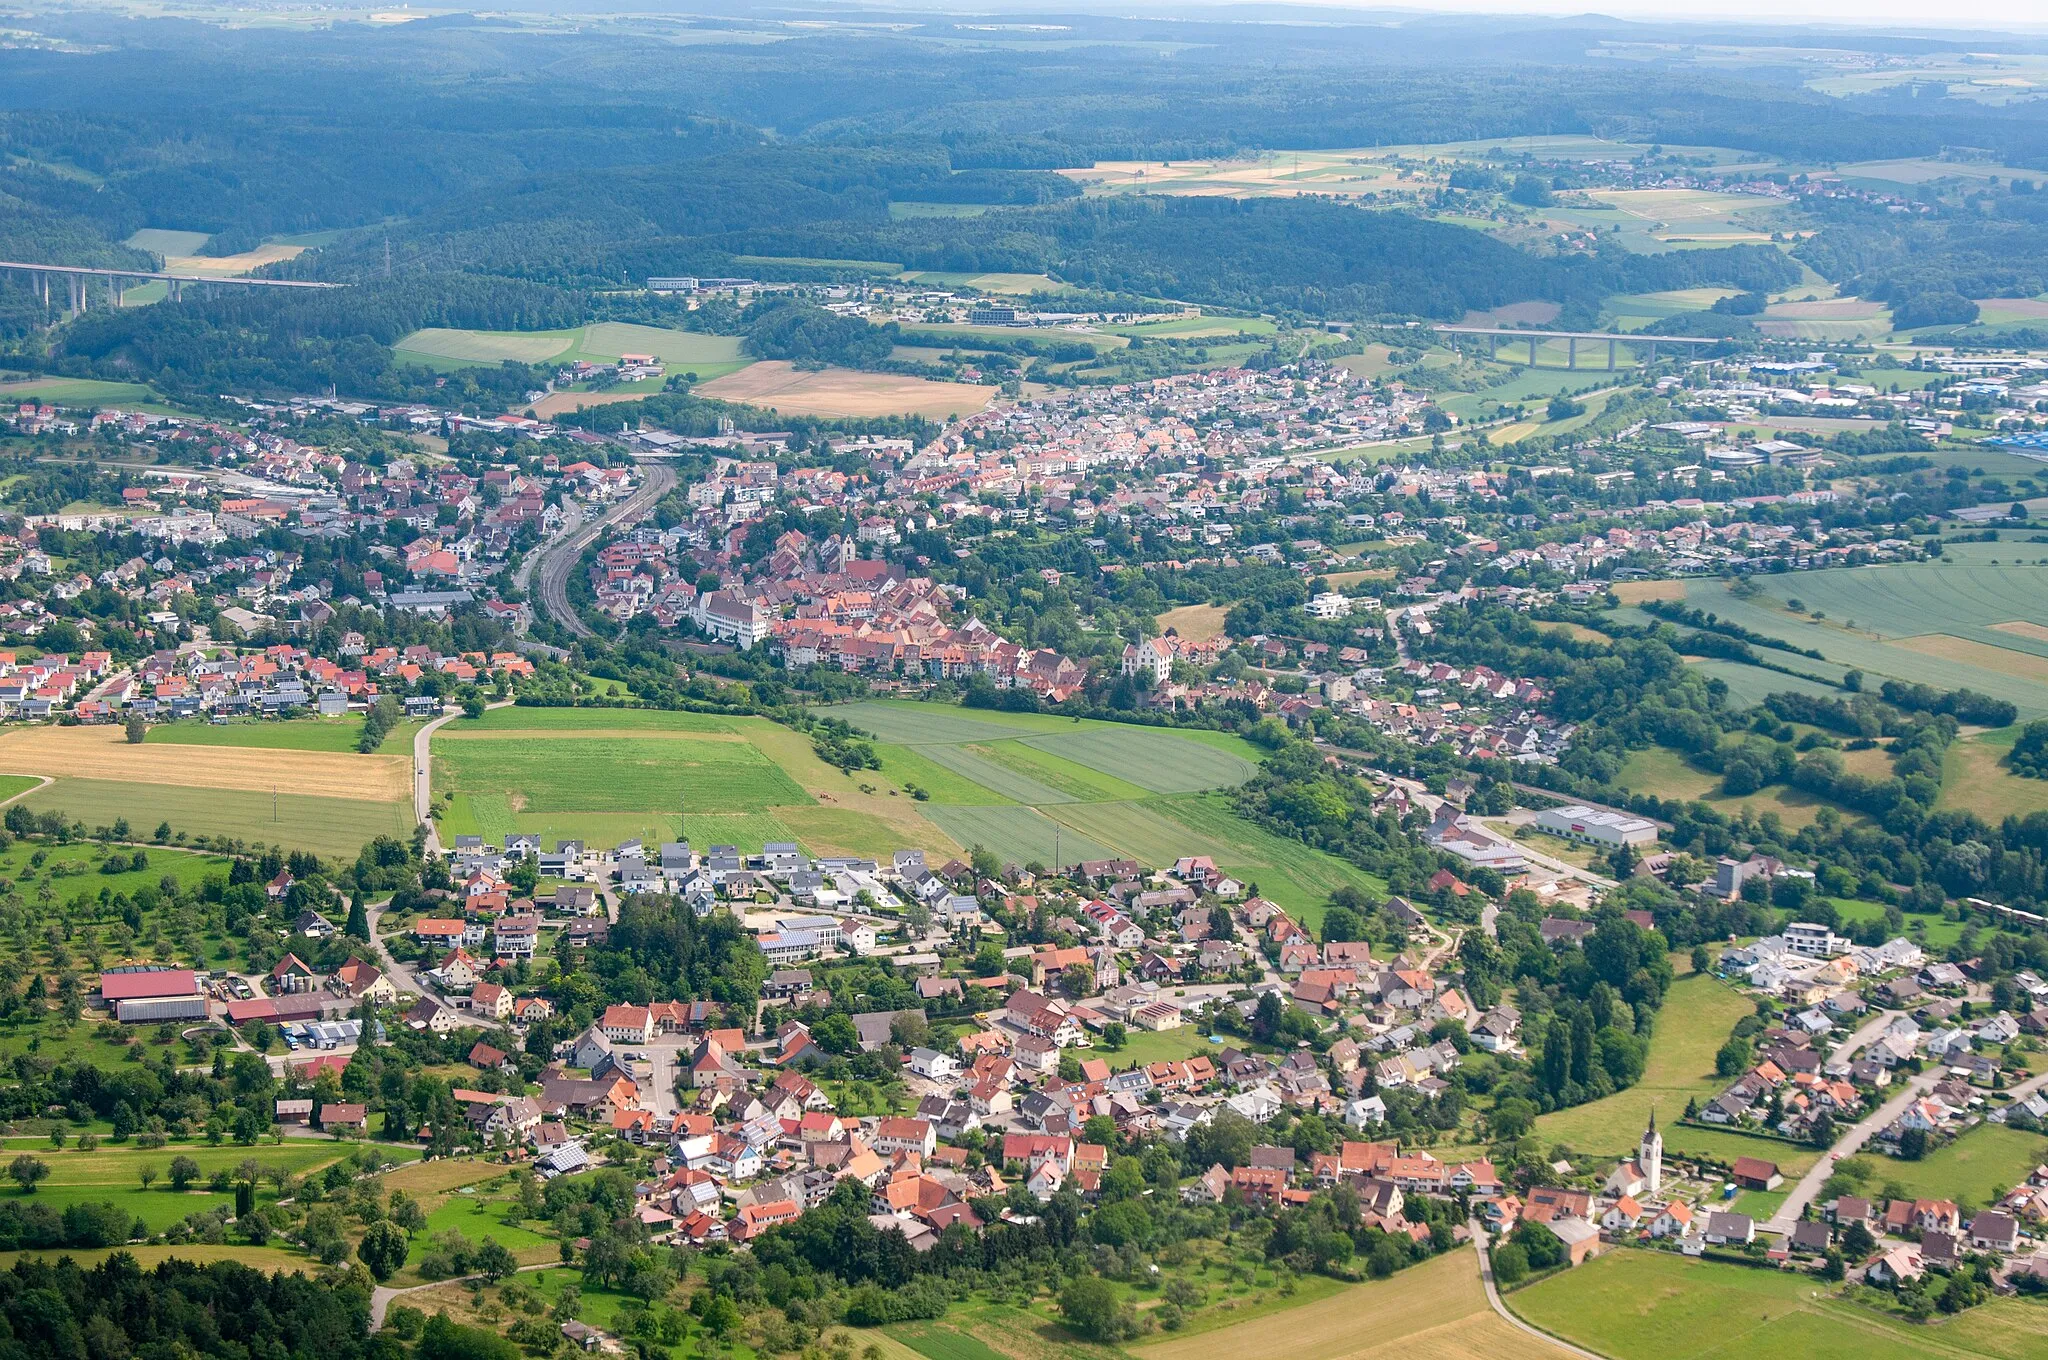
<point>1150,1046</point>
<point>479,1219</point>
<point>1972,1169</point>
<point>1642,1305</point>
<point>14,785</point>
<point>1698,1014</point>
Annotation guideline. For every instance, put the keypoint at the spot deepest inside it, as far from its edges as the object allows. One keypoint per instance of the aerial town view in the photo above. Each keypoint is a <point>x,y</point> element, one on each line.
<point>1027,683</point>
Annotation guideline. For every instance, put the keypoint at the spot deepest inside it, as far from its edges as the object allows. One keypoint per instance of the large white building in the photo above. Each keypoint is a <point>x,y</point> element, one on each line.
<point>1596,826</point>
<point>724,615</point>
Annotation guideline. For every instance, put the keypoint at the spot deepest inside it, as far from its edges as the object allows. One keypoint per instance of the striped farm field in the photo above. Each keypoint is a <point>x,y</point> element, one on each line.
<point>1968,622</point>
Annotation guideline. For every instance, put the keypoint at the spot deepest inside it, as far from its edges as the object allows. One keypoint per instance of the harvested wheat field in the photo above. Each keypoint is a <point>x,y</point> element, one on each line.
<point>104,753</point>
<point>781,386</point>
<point>1194,622</point>
<point>2020,665</point>
<point>1434,1311</point>
<point>2033,632</point>
<point>1635,592</point>
<point>568,403</point>
<point>227,266</point>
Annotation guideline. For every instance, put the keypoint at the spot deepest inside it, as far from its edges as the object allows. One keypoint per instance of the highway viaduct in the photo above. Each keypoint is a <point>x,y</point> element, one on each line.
<point>79,280</point>
<point>1493,335</point>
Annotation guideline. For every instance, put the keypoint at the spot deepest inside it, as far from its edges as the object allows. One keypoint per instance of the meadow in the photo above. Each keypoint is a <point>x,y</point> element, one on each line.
<point>606,775</point>
<point>709,356</point>
<point>112,1172</point>
<point>1643,1305</point>
<point>1698,1014</point>
<point>299,734</point>
<point>1973,1170</point>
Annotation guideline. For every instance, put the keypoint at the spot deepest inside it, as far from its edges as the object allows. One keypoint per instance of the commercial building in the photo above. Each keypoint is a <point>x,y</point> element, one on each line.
<point>1596,826</point>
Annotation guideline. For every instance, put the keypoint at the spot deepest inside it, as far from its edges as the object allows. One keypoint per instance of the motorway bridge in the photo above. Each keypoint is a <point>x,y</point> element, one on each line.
<point>79,279</point>
<point>1647,344</point>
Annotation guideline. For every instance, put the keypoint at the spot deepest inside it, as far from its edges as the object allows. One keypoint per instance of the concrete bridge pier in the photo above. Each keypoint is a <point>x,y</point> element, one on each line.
<point>1532,351</point>
<point>1610,356</point>
<point>1571,352</point>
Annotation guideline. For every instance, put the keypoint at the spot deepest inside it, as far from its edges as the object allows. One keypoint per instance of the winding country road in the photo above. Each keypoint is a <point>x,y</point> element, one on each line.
<point>556,560</point>
<point>1493,1298</point>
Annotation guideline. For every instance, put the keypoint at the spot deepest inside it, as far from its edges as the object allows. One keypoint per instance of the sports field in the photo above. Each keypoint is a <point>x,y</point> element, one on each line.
<point>781,386</point>
<point>310,797</point>
<point>1643,1305</point>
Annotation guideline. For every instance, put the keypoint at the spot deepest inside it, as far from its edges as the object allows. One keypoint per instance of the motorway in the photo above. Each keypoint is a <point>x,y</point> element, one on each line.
<point>556,560</point>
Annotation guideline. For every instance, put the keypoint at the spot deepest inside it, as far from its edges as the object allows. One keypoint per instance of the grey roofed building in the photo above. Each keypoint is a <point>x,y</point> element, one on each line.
<point>873,1027</point>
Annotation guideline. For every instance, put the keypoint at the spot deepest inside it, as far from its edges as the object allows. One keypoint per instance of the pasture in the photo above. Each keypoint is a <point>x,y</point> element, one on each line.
<point>1698,1015</point>
<point>1636,1305</point>
<point>1973,1170</point>
<point>844,392</point>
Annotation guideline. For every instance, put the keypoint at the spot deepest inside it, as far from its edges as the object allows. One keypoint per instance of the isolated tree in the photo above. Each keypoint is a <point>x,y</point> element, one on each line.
<point>27,1172</point>
<point>383,1250</point>
<point>136,728</point>
<point>184,1171</point>
<point>147,1175</point>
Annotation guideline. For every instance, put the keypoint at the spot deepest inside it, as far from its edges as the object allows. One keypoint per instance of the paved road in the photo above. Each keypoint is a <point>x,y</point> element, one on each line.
<point>423,769</point>
<point>1493,1298</point>
<point>558,559</point>
<point>1865,1034</point>
<point>1845,1146</point>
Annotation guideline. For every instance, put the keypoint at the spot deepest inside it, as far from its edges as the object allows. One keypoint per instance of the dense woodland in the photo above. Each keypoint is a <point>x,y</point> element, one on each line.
<point>607,159</point>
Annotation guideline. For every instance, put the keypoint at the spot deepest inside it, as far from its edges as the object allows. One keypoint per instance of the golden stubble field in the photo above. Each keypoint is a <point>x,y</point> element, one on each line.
<point>780,386</point>
<point>104,753</point>
<point>1434,1311</point>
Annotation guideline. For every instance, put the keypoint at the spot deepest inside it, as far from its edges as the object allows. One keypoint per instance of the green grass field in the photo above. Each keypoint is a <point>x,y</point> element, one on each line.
<point>13,786</point>
<point>1925,622</point>
<point>1971,1170</point>
<point>77,392</point>
<point>327,826</point>
<point>1666,773</point>
<point>1642,1305</point>
<point>1698,1014</point>
<point>601,342</point>
<point>111,1172</point>
<point>299,734</point>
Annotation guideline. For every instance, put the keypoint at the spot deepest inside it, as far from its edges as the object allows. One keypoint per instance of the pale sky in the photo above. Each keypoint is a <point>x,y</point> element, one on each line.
<point>2010,14</point>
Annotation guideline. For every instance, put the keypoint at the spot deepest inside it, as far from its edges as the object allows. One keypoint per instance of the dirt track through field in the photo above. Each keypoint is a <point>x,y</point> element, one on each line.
<point>104,753</point>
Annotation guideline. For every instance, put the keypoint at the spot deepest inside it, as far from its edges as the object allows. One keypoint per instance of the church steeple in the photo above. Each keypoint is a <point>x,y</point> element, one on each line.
<point>1650,1154</point>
